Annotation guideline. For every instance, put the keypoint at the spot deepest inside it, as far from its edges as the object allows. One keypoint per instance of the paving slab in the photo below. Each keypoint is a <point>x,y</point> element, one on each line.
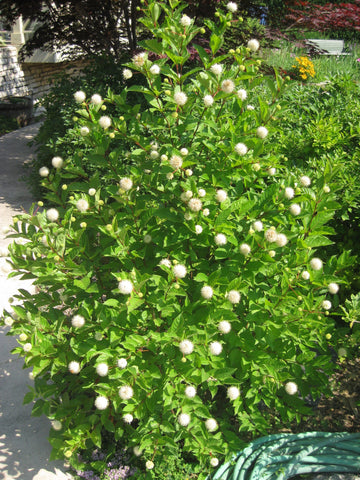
<point>24,448</point>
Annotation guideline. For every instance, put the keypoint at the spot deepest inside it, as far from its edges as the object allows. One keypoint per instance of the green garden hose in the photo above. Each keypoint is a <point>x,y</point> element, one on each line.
<point>282,456</point>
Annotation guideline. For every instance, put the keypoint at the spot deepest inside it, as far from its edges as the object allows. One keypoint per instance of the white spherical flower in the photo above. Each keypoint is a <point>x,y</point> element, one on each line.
<point>101,402</point>
<point>305,275</point>
<point>84,131</point>
<point>198,229</point>
<point>195,204</point>
<point>8,321</point>
<point>27,347</point>
<point>295,209</point>
<point>79,96</point>
<point>155,69</point>
<point>326,188</point>
<point>96,99</point>
<point>126,392</point>
<point>105,122</point>
<point>23,337</point>
<point>220,239</point>
<point>179,271</point>
<point>291,388</point>
<point>154,154</point>
<point>184,151</point>
<point>271,235</point>
<point>233,393</point>
<point>44,172</point>
<point>262,132</point>
<point>326,304</point>
<point>125,287</point>
<point>256,167</point>
<point>74,367</point>
<point>215,348</point>
<point>316,263</point>
<point>102,369</point>
<point>281,240</point>
<point>201,192</point>
<point>78,321</point>
<point>149,465</point>
<point>56,425</point>
<point>232,7</point>
<point>185,21</point>
<point>208,100</point>
<point>185,196</point>
<point>137,451</point>
<point>220,196</point>
<point>127,74</point>
<point>258,226</point>
<point>253,44</point>
<point>241,149</point>
<point>165,262</point>
<point>98,336</point>
<point>206,212</point>
<point>164,158</point>
<point>342,352</point>
<point>190,391</point>
<point>126,184</point>
<point>271,171</point>
<point>333,288</point>
<point>214,462</point>
<point>217,69</point>
<point>250,107</point>
<point>147,238</point>
<point>82,205</point>
<point>92,192</point>
<point>289,193</point>
<point>228,86</point>
<point>57,162</point>
<point>233,296</point>
<point>211,425</point>
<point>184,419</point>
<point>207,292</point>
<point>188,172</point>
<point>139,59</point>
<point>31,375</point>
<point>305,181</point>
<point>52,214</point>
<point>241,94</point>
<point>180,98</point>
<point>245,249</point>
<point>186,347</point>
<point>224,326</point>
<point>122,363</point>
<point>128,418</point>
<point>175,162</point>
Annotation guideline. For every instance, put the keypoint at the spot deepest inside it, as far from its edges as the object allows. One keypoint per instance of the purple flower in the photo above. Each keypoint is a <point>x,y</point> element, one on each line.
<point>358,59</point>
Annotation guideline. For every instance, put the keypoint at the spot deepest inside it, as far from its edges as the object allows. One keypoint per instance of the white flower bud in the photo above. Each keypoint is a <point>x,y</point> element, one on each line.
<point>316,263</point>
<point>333,288</point>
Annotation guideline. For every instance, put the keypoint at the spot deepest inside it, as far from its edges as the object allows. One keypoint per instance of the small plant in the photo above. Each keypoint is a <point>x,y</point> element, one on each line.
<point>182,301</point>
<point>304,68</point>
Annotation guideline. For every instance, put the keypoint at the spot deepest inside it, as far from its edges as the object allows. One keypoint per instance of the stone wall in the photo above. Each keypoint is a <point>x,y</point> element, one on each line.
<point>32,79</point>
<point>12,79</point>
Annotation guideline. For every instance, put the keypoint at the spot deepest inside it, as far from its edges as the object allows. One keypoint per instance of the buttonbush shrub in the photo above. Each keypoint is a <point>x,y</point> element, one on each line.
<point>182,299</point>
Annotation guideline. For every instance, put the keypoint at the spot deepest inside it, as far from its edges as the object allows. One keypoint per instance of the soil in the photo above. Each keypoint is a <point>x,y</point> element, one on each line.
<point>340,412</point>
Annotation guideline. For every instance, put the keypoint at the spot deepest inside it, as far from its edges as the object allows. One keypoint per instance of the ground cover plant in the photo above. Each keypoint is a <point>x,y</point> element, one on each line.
<point>182,300</point>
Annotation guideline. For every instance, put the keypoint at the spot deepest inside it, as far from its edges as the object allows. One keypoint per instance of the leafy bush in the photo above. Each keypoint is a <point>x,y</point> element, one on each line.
<point>182,300</point>
<point>56,134</point>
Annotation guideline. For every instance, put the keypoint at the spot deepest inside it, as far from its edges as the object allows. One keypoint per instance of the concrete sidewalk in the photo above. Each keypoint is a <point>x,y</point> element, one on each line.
<point>24,448</point>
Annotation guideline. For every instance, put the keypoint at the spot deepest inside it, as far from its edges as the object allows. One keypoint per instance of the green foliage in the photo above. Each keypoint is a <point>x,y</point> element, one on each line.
<point>7,124</point>
<point>195,263</point>
<point>56,135</point>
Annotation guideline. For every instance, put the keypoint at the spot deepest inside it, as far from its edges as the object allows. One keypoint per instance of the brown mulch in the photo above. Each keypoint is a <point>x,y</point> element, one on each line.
<point>341,411</point>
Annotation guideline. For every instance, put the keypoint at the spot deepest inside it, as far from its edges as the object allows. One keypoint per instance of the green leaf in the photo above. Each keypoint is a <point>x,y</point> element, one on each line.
<point>317,241</point>
<point>241,206</point>
<point>215,43</point>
